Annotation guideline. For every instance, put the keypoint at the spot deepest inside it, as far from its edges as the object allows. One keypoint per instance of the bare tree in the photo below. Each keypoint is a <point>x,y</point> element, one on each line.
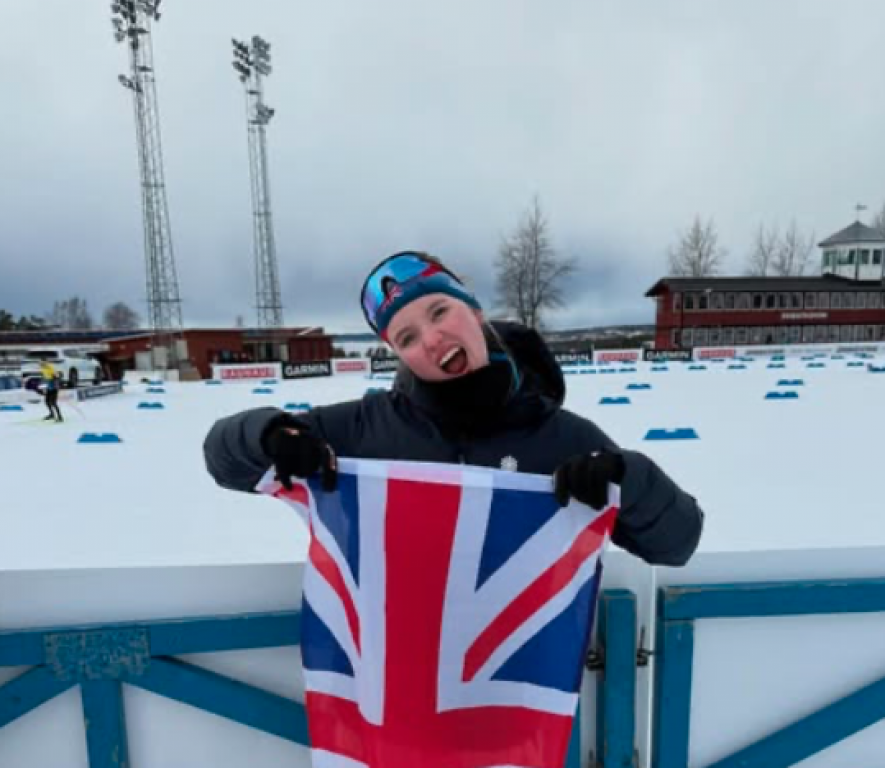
<point>878,222</point>
<point>793,253</point>
<point>528,271</point>
<point>698,253</point>
<point>121,317</point>
<point>71,315</point>
<point>765,246</point>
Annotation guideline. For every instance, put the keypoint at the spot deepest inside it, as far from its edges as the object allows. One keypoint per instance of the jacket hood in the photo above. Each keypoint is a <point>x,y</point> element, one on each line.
<point>541,388</point>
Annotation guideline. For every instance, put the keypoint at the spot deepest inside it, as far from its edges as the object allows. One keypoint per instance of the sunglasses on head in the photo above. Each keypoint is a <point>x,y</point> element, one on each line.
<point>388,280</point>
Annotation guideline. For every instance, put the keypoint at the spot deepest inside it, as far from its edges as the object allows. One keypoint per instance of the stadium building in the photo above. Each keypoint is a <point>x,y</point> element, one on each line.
<point>844,304</point>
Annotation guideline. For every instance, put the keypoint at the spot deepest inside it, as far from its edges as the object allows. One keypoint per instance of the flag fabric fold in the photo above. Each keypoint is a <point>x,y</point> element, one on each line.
<point>446,613</point>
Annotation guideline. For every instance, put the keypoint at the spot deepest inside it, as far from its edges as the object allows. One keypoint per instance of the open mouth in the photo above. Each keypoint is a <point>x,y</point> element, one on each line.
<point>454,361</point>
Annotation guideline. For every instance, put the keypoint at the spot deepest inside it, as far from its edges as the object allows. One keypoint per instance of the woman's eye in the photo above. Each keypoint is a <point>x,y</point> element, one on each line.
<point>439,312</point>
<point>406,340</point>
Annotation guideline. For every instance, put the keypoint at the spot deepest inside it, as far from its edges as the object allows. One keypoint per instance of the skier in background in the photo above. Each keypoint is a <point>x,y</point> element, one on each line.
<point>50,383</point>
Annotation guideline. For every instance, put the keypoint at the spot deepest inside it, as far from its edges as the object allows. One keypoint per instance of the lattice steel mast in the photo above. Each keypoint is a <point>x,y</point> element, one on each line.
<point>252,63</point>
<point>132,21</point>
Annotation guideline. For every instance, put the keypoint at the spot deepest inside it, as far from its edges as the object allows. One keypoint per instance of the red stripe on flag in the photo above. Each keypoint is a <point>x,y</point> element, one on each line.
<point>537,594</point>
<point>329,570</point>
<point>298,494</point>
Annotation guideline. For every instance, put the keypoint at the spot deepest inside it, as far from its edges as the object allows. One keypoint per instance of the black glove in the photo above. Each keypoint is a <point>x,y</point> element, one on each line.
<point>586,478</point>
<point>296,454</point>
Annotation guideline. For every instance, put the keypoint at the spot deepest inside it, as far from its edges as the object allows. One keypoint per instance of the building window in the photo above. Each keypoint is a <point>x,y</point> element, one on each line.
<point>743,301</point>
<point>715,336</point>
<point>757,301</point>
<point>782,334</point>
<point>807,334</point>
<point>700,337</point>
<point>845,333</point>
<point>703,299</point>
<point>795,334</point>
<point>783,301</point>
<point>847,300</point>
<point>687,337</point>
<point>717,300</point>
<point>729,301</point>
<point>728,336</point>
<point>877,256</point>
<point>852,257</point>
<point>864,256</point>
<point>677,302</point>
<point>861,301</point>
<point>820,334</point>
<point>836,301</point>
<point>674,338</point>
<point>823,300</point>
<point>810,301</point>
<point>770,301</point>
<point>871,333</point>
<point>689,301</point>
<point>874,302</point>
<point>797,300</point>
<point>741,335</point>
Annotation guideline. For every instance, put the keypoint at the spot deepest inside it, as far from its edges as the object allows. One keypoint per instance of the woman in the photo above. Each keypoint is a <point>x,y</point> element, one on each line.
<point>50,385</point>
<point>466,392</point>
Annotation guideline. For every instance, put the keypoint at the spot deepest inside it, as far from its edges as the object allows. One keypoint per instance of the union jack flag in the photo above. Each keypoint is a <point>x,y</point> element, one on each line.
<point>445,616</point>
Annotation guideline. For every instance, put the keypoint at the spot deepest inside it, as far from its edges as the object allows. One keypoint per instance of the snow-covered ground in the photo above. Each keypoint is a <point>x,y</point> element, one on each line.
<point>137,530</point>
<point>769,473</point>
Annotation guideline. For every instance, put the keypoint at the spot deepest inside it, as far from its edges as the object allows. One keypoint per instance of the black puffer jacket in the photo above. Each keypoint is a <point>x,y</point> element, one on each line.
<point>503,415</point>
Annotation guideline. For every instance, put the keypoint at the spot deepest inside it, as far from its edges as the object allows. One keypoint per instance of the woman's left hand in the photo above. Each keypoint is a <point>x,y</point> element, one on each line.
<point>585,478</point>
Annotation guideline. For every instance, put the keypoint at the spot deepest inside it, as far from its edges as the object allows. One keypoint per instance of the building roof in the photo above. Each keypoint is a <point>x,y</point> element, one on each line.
<point>746,283</point>
<point>854,233</point>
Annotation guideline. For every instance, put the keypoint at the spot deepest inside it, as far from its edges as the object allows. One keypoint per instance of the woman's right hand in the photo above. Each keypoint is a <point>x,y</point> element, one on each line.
<point>300,455</point>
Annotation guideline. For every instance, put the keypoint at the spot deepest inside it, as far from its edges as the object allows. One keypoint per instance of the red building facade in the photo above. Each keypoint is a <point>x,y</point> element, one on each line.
<point>713,311</point>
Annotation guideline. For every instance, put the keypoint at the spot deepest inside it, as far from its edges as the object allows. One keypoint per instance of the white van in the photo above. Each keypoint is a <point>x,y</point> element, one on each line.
<point>73,367</point>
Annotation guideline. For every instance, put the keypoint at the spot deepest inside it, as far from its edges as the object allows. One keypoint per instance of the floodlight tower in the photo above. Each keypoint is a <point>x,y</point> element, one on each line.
<point>132,21</point>
<point>252,63</point>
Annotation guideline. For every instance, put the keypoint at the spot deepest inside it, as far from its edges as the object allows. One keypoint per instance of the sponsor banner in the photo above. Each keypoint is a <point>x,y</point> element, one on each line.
<point>763,351</point>
<point>384,364</point>
<point>100,390</point>
<point>350,365</point>
<point>712,353</point>
<point>307,369</point>
<point>572,356</point>
<point>616,355</point>
<point>247,371</point>
<point>666,355</point>
<point>850,348</point>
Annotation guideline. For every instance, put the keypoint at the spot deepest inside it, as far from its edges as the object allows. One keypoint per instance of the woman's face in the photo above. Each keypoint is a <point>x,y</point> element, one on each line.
<point>439,337</point>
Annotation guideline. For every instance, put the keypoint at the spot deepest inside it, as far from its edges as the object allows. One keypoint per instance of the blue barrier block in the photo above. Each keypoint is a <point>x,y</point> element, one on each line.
<point>854,364</point>
<point>680,433</point>
<point>782,396</point>
<point>876,368</point>
<point>615,401</point>
<point>837,357</point>
<point>628,370</point>
<point>151,406</point>
<point>738,367</point>
<point>213,383</point>
<point>659,368</point>
<point>374,390</point>
<point>155,391</point>
<point>637,386</point>
<point>8,408</point>
<point>816,365</point>
<point>262,391</point>
<point>776,358</point>
<point>608,370</point>
<point>267,382</point>
<point>587,370</point>
<point>776,365</point>
<point>791,382</point>
<point>297,406</point>
<point>155,382</point>
<point>697,367</point>
<point>96,438</point>
<point>807,357</point>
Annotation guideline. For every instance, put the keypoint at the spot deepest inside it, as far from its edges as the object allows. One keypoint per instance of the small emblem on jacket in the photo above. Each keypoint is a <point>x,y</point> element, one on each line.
<point>509,463</point>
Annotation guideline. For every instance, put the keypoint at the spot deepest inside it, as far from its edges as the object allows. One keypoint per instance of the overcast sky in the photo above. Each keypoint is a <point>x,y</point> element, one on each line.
<point>430,125</point>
